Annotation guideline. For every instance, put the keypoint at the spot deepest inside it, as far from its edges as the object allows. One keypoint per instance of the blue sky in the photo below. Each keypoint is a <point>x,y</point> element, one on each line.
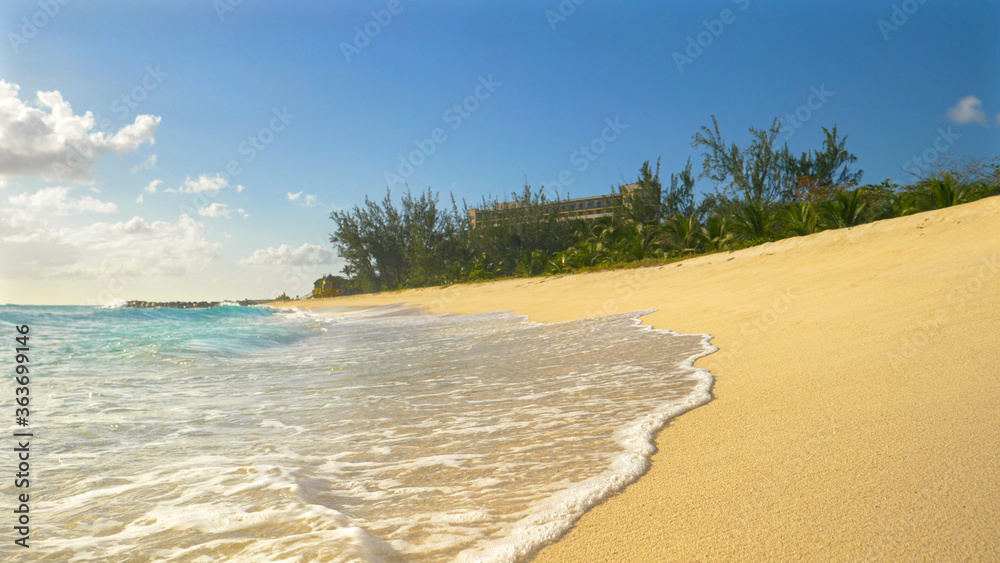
<point>538,81</point>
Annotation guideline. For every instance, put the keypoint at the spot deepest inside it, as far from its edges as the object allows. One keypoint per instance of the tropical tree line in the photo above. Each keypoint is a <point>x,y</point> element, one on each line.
<point>762,192</point>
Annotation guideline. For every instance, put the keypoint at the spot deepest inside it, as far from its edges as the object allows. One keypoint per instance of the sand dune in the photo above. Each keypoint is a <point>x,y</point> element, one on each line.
<point>857,397</point>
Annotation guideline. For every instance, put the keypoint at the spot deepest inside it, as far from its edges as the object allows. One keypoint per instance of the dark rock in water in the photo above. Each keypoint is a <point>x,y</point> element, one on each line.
<point>136,304</point>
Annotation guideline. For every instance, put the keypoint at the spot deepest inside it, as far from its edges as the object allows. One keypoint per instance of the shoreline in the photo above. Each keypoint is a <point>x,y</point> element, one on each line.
<point>855,396</point>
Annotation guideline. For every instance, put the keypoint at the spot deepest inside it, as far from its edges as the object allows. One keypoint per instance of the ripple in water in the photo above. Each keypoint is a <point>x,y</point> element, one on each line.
<point>396,438</point>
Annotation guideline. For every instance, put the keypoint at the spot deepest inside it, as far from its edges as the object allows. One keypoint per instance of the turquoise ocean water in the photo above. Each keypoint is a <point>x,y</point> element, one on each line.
<point>253,434</point>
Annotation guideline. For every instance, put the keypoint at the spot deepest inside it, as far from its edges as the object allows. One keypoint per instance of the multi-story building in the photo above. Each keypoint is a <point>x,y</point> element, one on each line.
<point>592,207</point>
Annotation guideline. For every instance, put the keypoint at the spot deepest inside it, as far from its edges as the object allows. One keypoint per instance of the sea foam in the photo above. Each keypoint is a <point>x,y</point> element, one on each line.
<point>255,434</point>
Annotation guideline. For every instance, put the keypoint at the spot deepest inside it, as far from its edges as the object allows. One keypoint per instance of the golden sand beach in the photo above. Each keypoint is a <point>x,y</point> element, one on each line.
<point>856,410</point>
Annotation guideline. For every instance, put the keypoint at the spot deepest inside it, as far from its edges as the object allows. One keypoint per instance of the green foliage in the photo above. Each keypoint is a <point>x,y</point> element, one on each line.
<point>529,222</point>
<point>759,173</point>
<point>609,242</point>
<point>679,197</point>
<point>387,248</point>
<point>644,202</point>
<point>639,241</point>
<point>718,234</point>
<point>945,192</point>
<point>902,204</point>
<point>798,219</point>
<point>532,263</point>
<point>846,209</point>
<point>370,240</point>
<point>817,174</point>
<point>762,194</point>
<point>685,234</point>
<point>755,221</point>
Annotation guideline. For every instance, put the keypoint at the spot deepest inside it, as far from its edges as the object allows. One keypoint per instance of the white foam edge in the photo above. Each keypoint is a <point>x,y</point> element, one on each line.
<point>559,512</point>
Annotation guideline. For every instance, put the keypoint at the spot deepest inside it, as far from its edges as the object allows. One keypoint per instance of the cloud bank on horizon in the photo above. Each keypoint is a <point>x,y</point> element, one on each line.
<point>46,142</point>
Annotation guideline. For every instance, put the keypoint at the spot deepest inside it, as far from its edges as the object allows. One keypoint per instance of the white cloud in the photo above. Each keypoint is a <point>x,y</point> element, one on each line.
<point>205,183</point>
<point>214,210</point>
<point>46,140</point>
<point>285,255</point>
<point>147,164</point>
<point>32,248</point>
<point>56,201</point>
<point>302,198</point>
<point>968,110</point>
<point>221,210</point>
<point>149,189</point>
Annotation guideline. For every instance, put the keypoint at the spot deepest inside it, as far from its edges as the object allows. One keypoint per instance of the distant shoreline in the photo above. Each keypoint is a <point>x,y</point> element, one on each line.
<point>139,304</point>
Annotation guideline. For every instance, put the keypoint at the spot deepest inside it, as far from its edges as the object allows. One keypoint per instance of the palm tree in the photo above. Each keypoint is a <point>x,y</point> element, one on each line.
<point>559,263</point>
<point>903,204</point>
<point>685,233</point>
<point>605,237</point>
<point>532,263</point>
<point>454,272</point>
<point>754,222</point>
<point>718,235</point>
<point>846,209</point>
<point>799,219</point>
<point>638,242</point>
<point>581,255</point>
<point>944,192</point>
